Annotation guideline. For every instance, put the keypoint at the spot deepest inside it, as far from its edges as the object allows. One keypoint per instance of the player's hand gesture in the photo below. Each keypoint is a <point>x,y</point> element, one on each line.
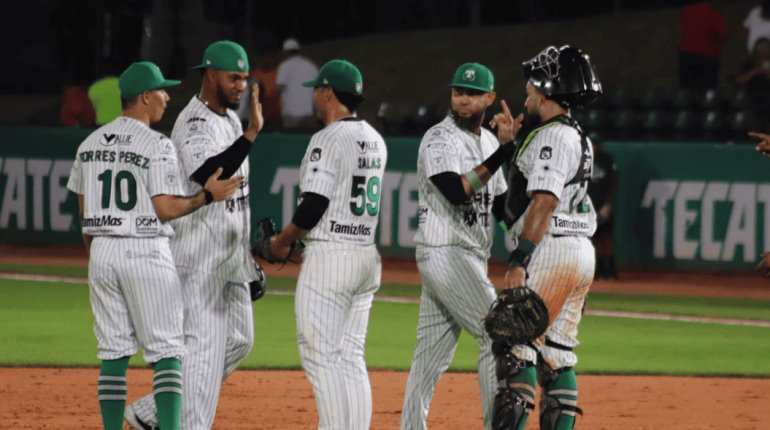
<point>507,126</point>
<point>223,189</point>
<point>256,121</point>
<point>764,143</point>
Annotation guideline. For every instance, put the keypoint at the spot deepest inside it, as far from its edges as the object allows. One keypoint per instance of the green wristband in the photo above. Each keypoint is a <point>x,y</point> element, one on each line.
<point>475,180</point>
<point>522,254</point>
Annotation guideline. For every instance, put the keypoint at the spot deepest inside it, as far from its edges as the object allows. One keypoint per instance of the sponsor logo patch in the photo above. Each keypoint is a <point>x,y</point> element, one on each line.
<point>315,154</point>
<point>545,153</point>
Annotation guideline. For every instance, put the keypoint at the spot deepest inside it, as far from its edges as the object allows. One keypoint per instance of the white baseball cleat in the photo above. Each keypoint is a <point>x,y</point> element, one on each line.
<point>133,420</point>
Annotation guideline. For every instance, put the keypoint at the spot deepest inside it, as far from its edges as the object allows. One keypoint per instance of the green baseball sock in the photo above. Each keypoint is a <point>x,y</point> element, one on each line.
<point>112,392</point>
<point>564,388</point>
<point>524,383</point>
<point>167,390</point>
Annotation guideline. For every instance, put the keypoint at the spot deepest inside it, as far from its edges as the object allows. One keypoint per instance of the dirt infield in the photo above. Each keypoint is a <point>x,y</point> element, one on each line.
<point>33,398</point>
<point>66,399</point>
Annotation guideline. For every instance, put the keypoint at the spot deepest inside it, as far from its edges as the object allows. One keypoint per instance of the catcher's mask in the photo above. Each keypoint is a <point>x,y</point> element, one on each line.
<point>565,75</point>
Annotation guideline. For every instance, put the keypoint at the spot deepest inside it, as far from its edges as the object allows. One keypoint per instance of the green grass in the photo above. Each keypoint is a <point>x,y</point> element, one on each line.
<point>722,307</point>
<point>51,324</point>
<point>693,306</point>
<point>35,269</point>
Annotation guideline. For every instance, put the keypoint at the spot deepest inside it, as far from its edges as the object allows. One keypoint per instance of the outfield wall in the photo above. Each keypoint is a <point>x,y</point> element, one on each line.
<point>679,205</point>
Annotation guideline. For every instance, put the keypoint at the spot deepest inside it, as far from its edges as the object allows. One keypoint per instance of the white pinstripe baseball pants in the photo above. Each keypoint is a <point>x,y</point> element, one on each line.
<point>561,272</point>
<point>456,294</point>
<point>136,298</point>
<point>334,296</point>
<point>219,333</point>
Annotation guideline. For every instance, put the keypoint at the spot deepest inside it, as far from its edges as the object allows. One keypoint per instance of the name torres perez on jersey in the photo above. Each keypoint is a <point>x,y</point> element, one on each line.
<point>118,183</point>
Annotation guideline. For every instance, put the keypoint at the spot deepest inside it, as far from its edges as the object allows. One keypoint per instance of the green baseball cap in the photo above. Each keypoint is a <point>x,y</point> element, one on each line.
<point>341,75</point>
<point>140,77</point>
<point>225,55</point>
<point>475,76</point>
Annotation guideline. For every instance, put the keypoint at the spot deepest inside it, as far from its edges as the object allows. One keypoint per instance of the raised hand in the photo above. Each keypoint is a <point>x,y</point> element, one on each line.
<point>764,143</point>
<point>256,121</point>
<point>507,126</point>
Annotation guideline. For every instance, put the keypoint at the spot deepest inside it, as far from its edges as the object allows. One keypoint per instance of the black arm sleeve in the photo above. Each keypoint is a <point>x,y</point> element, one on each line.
<point>502,155</point>
<point>310,211</point>
<point>498,209</point>
<point>451,186</point>
<point>229,160</point>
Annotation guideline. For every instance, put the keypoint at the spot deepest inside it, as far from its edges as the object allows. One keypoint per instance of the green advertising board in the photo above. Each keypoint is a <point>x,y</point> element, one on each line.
<point>678,206</point>
<point>691,206</point>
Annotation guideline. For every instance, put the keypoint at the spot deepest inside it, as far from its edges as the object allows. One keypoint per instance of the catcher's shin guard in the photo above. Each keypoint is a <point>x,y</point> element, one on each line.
<point>515,396</point>
<point>558,400</point>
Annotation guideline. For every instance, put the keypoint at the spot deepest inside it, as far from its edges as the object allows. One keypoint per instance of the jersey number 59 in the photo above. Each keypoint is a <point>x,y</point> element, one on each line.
<point>365,196</point>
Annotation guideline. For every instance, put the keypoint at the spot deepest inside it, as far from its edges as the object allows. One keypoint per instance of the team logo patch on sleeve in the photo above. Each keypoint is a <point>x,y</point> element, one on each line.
<point>171,179</point>
<point>545,153</point>
<point>315,154</point>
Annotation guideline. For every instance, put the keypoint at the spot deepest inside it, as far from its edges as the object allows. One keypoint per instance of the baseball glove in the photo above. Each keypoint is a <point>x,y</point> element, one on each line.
<point>266,230</point>
<point>518,316</point>
<point>258,286</point>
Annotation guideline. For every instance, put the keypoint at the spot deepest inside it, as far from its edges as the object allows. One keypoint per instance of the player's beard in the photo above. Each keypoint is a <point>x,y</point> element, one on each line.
<point>470,123</point>
<point>225,100</point>
<point>531,120</point>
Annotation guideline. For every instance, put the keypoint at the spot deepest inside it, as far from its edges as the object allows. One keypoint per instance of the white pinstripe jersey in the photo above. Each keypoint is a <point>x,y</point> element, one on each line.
<point>550,161</point>
<point>215,238</point>
<point>345,163</point>
<point>447,148</point>
<point>118,169</point>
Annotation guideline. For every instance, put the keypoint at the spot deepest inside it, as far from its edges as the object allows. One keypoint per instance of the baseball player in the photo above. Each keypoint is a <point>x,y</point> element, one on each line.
<point>763,147</point>
<point>340,184</point>
<point>460,188</point>
<point>553,220</point>
<point>211,248</point>
<point>127,180</point>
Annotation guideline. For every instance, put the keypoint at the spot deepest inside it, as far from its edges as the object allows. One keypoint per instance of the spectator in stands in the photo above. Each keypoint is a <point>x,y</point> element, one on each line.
<point>757,24</point>
<point>76,109</point>
<point>296,100</point>
<point>754,75</point>
<point>702,30</point>
<point>105,98</point>
<point>601,190</point>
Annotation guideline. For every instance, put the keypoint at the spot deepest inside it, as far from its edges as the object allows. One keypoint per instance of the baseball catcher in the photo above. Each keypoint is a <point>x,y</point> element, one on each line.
<point>517,317</point>
<point>265,231</point>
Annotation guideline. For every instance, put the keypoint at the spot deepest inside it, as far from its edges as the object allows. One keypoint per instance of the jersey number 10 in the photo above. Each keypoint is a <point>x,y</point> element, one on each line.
<point>365,195</point>
<point>124,183</point>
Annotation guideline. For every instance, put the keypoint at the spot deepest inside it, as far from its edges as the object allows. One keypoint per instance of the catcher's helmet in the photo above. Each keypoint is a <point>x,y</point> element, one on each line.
<point>565,75</point>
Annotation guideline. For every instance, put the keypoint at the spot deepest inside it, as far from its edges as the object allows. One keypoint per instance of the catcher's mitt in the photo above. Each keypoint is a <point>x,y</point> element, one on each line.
<point>258,286</point>
<point>266,230</point>
<point>518,316</point>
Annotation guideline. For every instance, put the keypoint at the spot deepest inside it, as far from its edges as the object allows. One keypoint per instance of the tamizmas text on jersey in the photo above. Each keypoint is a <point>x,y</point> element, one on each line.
<point>351,229</point>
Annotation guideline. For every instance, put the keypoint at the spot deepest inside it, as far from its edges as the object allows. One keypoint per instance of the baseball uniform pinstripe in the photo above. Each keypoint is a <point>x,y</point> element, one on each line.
<point>211,252</point>
<point>134,289</point>
<point>562,265</point>
<point>453,245</point>
<point>341,267</point>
